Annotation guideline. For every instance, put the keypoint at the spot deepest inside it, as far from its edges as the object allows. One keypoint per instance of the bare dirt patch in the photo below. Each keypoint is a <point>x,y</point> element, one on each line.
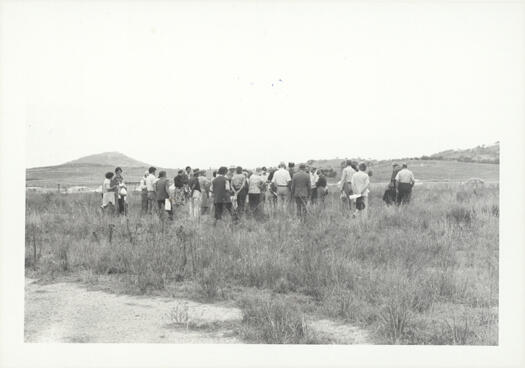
<point>69,312</point>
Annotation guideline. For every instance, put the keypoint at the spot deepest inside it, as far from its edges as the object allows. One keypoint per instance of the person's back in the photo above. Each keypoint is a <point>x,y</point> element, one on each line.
<point>162,189</point>
<point>405,176</point>
<point>150,183</point>
<point>301,189</point>
<point>281,177</point>
<point>301,184</point>
<point>179,181</point>
<point>238,180</point>
<point>360,183</point>
<point>194,184</point>
<point>347,174</point>
<point>220,192</point>
<point>255,183</point>
<point>321,182</point>
<point>405,180</point>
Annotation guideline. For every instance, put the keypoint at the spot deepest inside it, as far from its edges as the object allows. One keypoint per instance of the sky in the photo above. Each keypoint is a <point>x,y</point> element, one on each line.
<point>250,83</point>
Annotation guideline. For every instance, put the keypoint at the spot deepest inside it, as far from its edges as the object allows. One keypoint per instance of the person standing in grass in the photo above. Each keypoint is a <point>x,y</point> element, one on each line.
<point>179,182</point>
<point>150,187</point>
<point>255,186</point>
<point>346,178</point>
<point>195,195</point>
<point>360,186</point>
<point>240,189</point>
<point>301,189</point>
<point>221,194</point>
<point>264,176</point>
<point>144,194</point>
<point>108,193</point>
<point>404,183</point>
<point>281,179</point>
<point>162,193</point>
<point>212,197</point>
<point>186,176</point>
<point>272,190</point>
<point>120,191</point>
<point>204,184</point>
<point>314,176</point>
<point>391,192</point>
<point>322,189</point>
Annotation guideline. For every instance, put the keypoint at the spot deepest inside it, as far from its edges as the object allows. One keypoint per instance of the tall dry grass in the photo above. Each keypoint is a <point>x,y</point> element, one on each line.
<point>422,274</point>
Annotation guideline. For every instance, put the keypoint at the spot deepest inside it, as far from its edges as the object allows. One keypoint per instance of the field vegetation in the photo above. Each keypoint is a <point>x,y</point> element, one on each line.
<point>422,274</point>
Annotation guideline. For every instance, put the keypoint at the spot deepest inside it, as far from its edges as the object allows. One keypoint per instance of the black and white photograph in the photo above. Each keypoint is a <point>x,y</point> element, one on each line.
<point>229,175</point>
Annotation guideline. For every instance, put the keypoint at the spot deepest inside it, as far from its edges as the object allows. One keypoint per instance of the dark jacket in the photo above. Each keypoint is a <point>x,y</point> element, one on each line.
<point>179,181</point>
<point>162,189</point>
<point>301,185</point>
<point>194,184</point>
<point>321,182</point>
<point>393,178</point>
<point>220,194</point>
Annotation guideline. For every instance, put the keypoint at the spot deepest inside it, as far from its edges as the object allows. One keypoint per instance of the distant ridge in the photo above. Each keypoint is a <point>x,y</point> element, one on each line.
<point>107,159</point>
<point>483,154</point>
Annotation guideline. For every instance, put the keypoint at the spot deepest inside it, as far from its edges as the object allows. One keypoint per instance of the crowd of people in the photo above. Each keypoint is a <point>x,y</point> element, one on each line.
<point>241,192</point>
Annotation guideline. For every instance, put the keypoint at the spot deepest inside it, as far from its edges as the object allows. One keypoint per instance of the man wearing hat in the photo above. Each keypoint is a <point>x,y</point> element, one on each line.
<point>404,183</point>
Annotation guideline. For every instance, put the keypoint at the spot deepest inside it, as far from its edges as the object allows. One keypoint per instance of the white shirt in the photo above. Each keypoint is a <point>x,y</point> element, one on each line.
<point>106,185</point>
<point>142,185</point>
<point>150,182</point>
<point>254,182</point>
<point>360,183</point>
<point>313,179</point>
<point>405,176</point>
<point>281,177</point>
<point>347,174</point>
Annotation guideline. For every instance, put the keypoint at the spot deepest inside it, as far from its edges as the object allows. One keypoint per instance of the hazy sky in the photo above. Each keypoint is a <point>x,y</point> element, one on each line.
<point>205,84</point>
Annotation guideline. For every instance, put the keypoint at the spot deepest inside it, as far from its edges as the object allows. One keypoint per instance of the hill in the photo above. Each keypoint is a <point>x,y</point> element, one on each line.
<point>87,171</point>
<point>450,165</point>
<point>482,154</point>
<point>107,159</point>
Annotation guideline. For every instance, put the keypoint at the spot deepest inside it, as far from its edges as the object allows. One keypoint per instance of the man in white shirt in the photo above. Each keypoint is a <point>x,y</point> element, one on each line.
<point>404,183</point>
<point>151,180</point>
<point>346,186</point>
<point>360,182</point>
<point>282,179</point>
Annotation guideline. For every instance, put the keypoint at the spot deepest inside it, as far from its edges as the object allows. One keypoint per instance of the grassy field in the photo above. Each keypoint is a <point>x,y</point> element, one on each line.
<point>423,274</point>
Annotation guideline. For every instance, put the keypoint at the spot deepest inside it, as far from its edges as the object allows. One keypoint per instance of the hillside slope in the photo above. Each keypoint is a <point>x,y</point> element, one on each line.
<point>483,153</point>
<point>107,159</point>
<point>87,171</point>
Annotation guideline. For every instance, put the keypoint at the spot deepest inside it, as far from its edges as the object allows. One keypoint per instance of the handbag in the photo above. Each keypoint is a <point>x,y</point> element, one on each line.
<point>167,204</point>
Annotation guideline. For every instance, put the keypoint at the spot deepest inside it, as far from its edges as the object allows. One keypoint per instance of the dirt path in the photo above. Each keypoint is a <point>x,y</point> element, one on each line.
<point>68,312</point>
